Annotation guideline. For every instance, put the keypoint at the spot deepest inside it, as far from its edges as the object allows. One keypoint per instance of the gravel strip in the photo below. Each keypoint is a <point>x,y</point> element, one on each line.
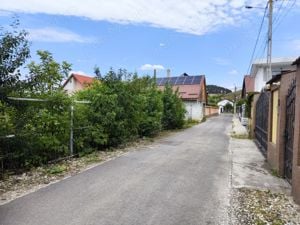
<point>261,207</point>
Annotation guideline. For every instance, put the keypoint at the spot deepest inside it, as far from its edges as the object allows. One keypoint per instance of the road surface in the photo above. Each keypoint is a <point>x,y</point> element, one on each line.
<point>182,179</point>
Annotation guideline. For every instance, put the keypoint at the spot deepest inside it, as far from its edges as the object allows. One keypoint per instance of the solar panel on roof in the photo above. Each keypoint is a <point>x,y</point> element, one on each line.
<point>188,80</point>
<point>176,80</point>
<point>182,80</point>
<point>197,80</point>
<point>172,80</point>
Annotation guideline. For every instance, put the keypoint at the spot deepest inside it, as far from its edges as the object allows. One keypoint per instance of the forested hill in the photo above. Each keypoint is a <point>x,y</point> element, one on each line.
<point>214,89</point>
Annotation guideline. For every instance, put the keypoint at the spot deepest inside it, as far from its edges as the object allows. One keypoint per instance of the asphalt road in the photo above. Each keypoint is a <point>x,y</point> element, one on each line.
<point>180,180</point>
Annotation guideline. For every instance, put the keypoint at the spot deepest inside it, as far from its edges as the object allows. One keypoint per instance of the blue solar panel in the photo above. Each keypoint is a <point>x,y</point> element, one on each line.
<point>173,80</point>
<point>197,80</point>
<point>182,80</point>
<point>188,80</point>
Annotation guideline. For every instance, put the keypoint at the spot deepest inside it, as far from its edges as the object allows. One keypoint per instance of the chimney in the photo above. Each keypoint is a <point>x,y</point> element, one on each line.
<point>168,73</point>
<point>154,73</point>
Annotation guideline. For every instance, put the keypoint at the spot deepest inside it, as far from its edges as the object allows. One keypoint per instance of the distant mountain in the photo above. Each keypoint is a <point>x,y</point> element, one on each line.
<point>214,89</point>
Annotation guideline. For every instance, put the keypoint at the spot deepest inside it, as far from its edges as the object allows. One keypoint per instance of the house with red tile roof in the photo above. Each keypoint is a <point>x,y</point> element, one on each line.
<point>77,82</point>
<point>192,91</point>
<point>248,85</point>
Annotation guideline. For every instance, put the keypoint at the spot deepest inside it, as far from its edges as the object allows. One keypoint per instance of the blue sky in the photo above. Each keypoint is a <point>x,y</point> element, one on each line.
<point>212,37</point>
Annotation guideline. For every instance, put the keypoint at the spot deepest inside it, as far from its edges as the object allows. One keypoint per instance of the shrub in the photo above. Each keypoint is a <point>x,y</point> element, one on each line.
<point>174,110</point>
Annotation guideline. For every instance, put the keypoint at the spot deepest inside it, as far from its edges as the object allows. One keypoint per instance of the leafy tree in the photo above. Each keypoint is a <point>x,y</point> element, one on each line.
<point>49,128</point>
<point>174,111</point>
<point>98,73</point>
<point>47,76</point>
<point>14,50</point>
<point>228,108</point>
<point>214,99</point>
<point>150,105</point>
<point>6,119</point>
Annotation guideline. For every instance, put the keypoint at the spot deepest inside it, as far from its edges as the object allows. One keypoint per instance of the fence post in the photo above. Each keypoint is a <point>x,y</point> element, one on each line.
<point>71,131</point>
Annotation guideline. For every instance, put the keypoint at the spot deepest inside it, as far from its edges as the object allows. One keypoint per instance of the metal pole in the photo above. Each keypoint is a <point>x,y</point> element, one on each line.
<point>71,130</point>
<point>234,106</point>
<point>269,56</point>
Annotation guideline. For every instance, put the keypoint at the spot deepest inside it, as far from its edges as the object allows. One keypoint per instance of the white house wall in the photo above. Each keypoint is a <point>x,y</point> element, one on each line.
<point>261,76</point>
<point>70,86</point>
<point>194,110</point>
<point>259,80</point>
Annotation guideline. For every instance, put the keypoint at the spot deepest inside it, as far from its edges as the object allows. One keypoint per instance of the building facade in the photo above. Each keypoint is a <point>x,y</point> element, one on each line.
<point>192,91</point>
<point>77,82</point>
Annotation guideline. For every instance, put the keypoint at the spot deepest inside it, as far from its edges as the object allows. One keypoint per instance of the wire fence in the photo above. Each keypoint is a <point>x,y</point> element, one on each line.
<point>41,135</point>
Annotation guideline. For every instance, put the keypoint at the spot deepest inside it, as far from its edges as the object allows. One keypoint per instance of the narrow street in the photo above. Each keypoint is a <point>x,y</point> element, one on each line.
<point>182,179</point>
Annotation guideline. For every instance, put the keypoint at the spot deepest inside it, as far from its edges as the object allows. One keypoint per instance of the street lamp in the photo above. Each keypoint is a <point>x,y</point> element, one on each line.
<point>253,7</point>
<point>269,55</point>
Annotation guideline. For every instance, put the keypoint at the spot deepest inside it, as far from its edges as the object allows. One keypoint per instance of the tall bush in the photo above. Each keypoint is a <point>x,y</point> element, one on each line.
<point>174,110</point>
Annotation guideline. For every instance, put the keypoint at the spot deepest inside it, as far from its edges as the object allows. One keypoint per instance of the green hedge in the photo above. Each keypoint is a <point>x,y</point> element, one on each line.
<point>122,107</point>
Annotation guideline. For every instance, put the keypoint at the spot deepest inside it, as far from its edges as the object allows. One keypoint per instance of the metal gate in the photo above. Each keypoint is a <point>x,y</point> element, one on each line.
<point>289,131</point>
<point>261,121</point>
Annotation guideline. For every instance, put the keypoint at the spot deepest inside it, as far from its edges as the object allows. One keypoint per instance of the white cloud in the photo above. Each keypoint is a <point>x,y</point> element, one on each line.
<point>151,67</point>
<point>5,13</point>
<point>162,44</point>
<point>50,34</point>
<point>189,16</point>
<point>233,72</point>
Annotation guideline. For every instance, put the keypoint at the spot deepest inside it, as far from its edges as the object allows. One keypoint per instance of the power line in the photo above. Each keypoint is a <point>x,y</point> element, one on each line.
<point>257,39</point>
<point>278,12</point>
<point>284,14</point>
<point>262,48</point>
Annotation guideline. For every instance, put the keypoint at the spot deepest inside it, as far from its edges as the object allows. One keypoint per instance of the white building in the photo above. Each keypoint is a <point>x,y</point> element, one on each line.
<point>260,72</point>
<point>222,104</point>
<point>77,82</point>
<point>192,91</point>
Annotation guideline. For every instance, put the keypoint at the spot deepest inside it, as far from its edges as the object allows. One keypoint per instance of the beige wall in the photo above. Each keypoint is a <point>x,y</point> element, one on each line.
<point>296,162</point>
<point>274,116</point>
<point>276,149</point>
<point>276,145</point>
<point>211,110</point>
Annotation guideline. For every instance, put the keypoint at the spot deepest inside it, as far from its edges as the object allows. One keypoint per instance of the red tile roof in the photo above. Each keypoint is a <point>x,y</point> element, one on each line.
<point>186,91</point>
<point>189,88</point>
<point>82,79</point>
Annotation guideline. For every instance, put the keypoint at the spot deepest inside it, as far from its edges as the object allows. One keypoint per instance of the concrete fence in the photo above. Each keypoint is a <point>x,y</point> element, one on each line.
<point>283,133</point>
<point>211,111</point>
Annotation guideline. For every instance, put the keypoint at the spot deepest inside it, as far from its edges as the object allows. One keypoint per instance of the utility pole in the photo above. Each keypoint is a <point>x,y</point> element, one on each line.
<point>269,56</point>
<point>234,106</point>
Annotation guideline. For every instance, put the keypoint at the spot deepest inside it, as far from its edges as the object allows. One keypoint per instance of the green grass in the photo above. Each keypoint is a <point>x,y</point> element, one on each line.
<point>92,158</point>
<point>239,136</point>
<point>189,123</point>
<point>275,173</point>
<point>56,169</point>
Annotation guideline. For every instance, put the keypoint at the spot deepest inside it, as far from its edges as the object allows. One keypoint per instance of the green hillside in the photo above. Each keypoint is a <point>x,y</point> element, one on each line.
<point>214,89</point>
